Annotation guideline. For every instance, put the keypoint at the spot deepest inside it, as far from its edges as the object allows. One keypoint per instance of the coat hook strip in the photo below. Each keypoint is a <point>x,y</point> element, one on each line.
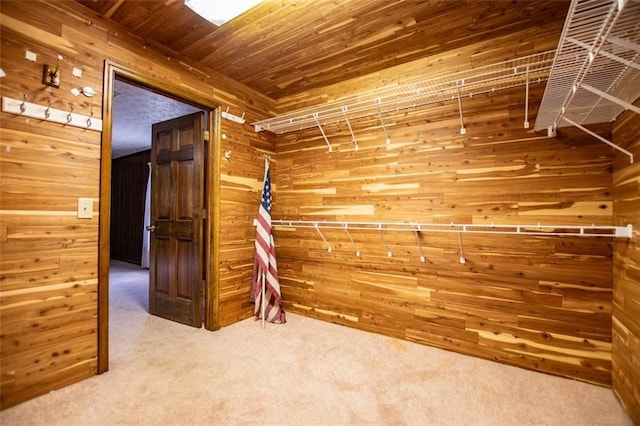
<point>48,113</point>
<point>389,254</point>
<point>344,225</point>
<point>353,136</point>
<point>315,117</point>
<point>384,128</point>
<point>329,249</point>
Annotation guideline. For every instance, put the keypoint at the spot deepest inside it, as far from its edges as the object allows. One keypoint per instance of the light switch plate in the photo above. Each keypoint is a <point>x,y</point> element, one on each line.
<point>85,208</point>
<point>30,56</point>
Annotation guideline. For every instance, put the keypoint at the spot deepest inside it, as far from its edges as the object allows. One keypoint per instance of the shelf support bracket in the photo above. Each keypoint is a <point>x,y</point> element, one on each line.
<point>600,138</point>
<point>389,253</point>
<point>462,259</point>
<point>462,129</point>
<point>605,95</point>
<point>329,249</point>
<point>417,232</point>
<point>353,136</point>
<point>607,54</point>
<point>384,128</point>
<point>344,225</point>
<point>622,42</point>
<point>315,117</point>
<point>526,101</point>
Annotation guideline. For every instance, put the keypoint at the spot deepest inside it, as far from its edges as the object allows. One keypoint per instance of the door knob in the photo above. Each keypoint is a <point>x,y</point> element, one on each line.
<point>151,228</point>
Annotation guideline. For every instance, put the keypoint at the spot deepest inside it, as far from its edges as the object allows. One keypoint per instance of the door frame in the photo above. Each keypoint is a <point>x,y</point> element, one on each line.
<point>211,165</point>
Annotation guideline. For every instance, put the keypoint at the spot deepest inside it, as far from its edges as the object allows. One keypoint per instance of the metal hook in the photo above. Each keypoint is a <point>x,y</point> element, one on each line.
<point>47,112</point>
<point>69,116</point>
<point>23,105</point>
<point>89,119</point>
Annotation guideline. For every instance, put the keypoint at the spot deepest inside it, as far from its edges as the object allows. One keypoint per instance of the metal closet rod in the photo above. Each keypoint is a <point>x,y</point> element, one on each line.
<point>538,229</point>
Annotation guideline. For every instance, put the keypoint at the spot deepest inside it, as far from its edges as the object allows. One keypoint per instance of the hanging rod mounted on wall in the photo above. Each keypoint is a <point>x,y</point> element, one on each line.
<point>419,92</point>
<point>539,230</point>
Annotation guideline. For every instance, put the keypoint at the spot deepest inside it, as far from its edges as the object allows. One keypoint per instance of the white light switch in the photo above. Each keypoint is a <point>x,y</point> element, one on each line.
<point>76,72</point>
<point>30,56</point>
<point>85,208</point>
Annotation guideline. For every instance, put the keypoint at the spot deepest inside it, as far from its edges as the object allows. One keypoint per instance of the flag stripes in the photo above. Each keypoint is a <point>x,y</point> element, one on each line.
<point>265,271</point>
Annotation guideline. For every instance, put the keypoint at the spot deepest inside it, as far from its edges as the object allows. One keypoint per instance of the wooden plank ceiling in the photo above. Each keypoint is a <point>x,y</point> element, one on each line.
<point>283,47</point>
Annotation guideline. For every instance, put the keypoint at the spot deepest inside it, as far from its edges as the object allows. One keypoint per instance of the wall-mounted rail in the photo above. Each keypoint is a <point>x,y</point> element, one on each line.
<point>419,92</point>
<point>539,230</point>
<point>596,72</point>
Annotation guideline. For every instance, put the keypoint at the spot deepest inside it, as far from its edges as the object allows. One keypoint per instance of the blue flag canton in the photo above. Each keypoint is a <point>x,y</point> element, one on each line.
<point>266,193</point>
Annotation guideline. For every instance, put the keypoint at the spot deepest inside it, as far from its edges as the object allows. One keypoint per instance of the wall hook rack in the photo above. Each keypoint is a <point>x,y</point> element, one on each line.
<point>46,113</point>
<point>237,119</point>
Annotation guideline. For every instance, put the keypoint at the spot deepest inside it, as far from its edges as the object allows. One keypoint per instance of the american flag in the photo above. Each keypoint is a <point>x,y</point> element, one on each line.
<point>265,271</point>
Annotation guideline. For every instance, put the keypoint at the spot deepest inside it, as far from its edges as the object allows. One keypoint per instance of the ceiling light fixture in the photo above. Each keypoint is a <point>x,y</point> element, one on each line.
<point>220,11</point>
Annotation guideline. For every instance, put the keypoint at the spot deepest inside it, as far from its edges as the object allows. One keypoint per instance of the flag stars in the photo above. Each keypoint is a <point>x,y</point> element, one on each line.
<point>266,194</point>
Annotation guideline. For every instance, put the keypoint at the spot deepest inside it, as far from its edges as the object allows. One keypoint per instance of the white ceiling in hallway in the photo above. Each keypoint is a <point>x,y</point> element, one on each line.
<point>135,110</point>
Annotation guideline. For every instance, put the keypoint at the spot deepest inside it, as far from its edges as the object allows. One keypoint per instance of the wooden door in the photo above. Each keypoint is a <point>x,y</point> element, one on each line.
<point>175,264</point>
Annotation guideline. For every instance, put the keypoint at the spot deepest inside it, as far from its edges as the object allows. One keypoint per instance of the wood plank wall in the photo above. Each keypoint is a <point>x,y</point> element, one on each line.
<point>129,176</point>
<point>626,266</point>
<point>49,262</point>
<point>542,303</point>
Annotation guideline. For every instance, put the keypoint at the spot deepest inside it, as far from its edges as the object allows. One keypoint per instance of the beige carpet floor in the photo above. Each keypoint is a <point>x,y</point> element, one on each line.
<point>305,372</point>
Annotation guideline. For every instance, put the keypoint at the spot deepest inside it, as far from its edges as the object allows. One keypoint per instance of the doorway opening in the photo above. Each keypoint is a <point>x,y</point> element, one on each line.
<point>132,103</point>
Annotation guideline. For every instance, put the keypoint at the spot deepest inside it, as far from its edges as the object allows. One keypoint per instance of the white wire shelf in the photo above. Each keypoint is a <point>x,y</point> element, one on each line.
<point>538,229</point>
<point>419,92</point>
<point>596,72</point>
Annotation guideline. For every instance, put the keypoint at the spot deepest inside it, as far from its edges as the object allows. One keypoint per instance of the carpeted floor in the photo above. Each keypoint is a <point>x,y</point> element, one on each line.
<point>305,372</point>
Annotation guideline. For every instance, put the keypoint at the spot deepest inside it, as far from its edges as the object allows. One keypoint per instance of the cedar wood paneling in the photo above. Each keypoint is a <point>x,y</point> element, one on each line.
<point>539,302</point>
<point>49,264</point>
<point>626,267</point>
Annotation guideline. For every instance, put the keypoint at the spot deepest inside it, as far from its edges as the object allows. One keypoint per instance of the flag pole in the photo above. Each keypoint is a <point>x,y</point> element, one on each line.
<point>262,300</point>
<point>264,273</point>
